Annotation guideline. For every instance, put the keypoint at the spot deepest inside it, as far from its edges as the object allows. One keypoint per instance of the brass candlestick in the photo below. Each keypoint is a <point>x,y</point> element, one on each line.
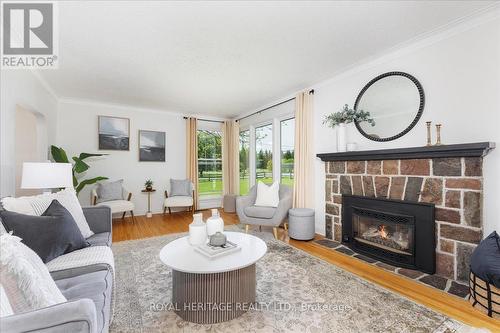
<point>438,134</point>
<point>429,141</point>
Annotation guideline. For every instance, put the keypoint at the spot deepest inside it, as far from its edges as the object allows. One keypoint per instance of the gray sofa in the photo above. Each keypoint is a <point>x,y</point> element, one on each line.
<point>88,289</point>
<point>249,214</point>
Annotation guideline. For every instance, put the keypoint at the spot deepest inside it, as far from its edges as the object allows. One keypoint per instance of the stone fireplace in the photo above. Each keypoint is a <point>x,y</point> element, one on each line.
<point>449,177</point>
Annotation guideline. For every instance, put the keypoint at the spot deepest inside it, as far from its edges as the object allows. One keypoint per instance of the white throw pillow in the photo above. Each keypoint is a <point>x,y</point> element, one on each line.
<point>25,278</point>
<point>40,203</point>
<point>19,205</point>
<point>268,196</point>
<point>5,308</point>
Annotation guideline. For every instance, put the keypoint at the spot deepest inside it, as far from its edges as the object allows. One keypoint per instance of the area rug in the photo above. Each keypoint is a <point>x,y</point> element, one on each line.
<point>296,292</point>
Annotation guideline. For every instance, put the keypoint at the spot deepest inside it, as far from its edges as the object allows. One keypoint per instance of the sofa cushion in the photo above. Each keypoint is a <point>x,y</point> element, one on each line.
<point>40,203</point>
<point>50,235</point>
<point>118,206</point>
<point>98,256</point>
<point>260,212</point>
<point>179,201</point>
<point>100,239</point>
<point>109,191</point>
<point>25,278</point>
<point>96,286</point>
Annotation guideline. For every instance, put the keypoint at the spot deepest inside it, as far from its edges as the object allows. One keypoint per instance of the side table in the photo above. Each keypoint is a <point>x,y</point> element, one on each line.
<point>149,214</point>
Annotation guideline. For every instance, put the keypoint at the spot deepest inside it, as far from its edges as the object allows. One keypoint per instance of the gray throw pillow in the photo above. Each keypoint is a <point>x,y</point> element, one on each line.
<point>180,187</point>
<point>50,235</point>
<point>108,191</point>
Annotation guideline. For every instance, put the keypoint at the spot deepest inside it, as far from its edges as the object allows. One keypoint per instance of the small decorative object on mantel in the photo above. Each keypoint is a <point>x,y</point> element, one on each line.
<point>341,118</point>
<point>148,185</point>
<point>197,230</point>
<point>215,223</point>
<point>429,139</point>
<point>438,134</point>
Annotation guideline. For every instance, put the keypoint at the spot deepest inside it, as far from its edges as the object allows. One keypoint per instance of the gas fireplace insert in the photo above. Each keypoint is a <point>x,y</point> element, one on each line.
<point>400,233</point>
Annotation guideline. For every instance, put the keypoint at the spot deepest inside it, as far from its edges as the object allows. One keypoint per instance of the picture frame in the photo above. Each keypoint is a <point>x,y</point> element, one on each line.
<point>113,133</point>
<point>152,146</point>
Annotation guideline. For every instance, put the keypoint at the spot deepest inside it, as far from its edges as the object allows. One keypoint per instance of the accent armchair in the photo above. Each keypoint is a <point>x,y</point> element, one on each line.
<point>249,214</point>
<point>117,206</point>
<point>180,196</point>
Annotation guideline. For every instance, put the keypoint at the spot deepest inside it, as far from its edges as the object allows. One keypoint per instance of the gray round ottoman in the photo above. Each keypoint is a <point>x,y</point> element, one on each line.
<point>301,223</point>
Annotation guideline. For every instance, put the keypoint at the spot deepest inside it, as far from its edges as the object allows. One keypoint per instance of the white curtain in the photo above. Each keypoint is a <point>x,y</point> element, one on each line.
<point>192,155</point>
<point>303,183</point>
<point>230,157</point>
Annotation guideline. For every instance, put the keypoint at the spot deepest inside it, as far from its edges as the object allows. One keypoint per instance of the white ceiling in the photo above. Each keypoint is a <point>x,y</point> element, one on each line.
<point>226,58</point>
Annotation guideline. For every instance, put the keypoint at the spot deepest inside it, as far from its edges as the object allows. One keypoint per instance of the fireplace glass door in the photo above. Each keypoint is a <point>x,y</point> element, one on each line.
<point>388,232</point>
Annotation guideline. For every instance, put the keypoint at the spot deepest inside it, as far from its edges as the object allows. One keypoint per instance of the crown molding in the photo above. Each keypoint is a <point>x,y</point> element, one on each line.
<point>98,103</point>
<point>45,84</point>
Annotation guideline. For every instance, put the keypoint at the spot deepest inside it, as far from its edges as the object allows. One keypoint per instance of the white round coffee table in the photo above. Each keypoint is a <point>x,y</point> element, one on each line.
<point>208,291</point>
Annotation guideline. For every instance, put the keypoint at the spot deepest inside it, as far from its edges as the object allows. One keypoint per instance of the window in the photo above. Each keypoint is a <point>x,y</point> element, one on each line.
<point>209,163</point>
<point>264,154</point>
<point>287,150</point>
<point>244,162</point>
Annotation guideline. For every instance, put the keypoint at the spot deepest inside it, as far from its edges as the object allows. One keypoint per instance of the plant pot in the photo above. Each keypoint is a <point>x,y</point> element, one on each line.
<point>149,187</point>
<point>341,138</point>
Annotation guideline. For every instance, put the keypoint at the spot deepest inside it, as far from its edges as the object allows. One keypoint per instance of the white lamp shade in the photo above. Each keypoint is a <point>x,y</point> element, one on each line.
<point>46,175</point>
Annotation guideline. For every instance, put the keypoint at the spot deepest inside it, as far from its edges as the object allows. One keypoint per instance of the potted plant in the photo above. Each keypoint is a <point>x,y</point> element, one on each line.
<point>149,185</point>
<point>341,118</point>
<point>79,167</point>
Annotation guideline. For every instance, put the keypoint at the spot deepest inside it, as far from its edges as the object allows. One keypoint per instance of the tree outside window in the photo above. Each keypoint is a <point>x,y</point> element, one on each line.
<point>244,162</point>
<point>287,150</point>
<point>264,154</point>
<point>209,163</point>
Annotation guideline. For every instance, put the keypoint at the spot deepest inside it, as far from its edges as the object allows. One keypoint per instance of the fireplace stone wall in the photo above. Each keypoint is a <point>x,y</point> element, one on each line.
<point>454,185</point>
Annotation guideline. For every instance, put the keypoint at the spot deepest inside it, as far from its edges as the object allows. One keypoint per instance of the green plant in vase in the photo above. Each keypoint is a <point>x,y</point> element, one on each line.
<point>148,185</point>
<point>79,167</point>
<point>345,116</point>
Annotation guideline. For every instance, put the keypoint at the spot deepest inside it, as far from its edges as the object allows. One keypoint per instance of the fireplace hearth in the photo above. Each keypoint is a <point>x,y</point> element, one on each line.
<point>397,232</point>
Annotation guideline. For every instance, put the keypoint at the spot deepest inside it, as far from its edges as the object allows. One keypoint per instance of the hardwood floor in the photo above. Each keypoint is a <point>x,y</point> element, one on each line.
<point>452,306</point>
<point>159,224</point>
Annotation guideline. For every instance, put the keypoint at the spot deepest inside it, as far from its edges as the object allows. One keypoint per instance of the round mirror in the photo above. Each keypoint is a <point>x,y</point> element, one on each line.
<point>395,101</point>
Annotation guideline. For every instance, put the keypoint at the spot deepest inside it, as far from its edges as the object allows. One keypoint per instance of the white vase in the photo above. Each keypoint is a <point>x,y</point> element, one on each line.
<point>341,138</point>
<point>215,223</point>
<point>197,230</point>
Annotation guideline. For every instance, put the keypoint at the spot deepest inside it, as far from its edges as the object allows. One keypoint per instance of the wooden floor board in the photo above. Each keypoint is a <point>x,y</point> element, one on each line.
<point>159,224</point>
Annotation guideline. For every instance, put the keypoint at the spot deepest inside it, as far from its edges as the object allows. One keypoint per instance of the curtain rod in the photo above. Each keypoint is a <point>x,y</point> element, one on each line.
<point>208,120</point>
<point>272,106</point>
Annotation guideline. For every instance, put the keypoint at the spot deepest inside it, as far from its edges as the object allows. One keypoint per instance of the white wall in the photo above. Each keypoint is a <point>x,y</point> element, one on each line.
<point>77,132</point>
<point>22,88</point>
<point>460,73</point>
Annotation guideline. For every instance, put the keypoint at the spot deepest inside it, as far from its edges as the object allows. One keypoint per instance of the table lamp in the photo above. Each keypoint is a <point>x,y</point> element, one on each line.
<point>46,175</point>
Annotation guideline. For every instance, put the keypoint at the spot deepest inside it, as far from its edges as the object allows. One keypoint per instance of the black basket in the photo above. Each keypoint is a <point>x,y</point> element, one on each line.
<point>484,296</point>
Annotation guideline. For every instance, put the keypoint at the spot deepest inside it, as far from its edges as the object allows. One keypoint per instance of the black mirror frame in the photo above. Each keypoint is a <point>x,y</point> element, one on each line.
<point>413,123</point>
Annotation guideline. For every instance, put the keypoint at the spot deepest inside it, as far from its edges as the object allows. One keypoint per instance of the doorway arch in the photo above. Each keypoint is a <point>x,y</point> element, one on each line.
<point>30,144</point>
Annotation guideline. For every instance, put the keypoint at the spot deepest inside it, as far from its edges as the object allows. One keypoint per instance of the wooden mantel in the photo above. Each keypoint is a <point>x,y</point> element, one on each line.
<point>478,149</point>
